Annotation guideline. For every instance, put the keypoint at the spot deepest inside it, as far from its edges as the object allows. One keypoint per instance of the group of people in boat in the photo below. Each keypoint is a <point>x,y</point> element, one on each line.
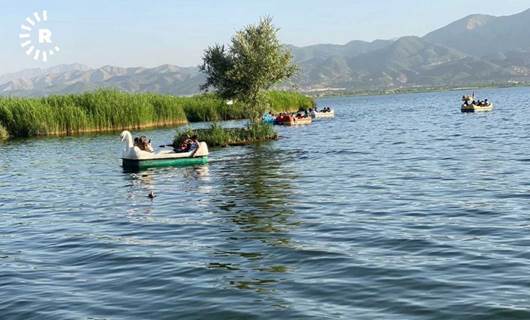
<point>289,117</point>
<point>143,144</point>
<point>187,143</point>
<point>283,117</point>
<point>326,109</point>
<point>468,101</point>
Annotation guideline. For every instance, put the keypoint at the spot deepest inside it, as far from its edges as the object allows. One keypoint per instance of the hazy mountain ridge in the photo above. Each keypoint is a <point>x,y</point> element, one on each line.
<point>167,79</point>
<point>483,36</point>
<point>475,49</point>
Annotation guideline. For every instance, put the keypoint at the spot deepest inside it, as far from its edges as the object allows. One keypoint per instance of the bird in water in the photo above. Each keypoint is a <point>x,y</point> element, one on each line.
<point>151,195</point>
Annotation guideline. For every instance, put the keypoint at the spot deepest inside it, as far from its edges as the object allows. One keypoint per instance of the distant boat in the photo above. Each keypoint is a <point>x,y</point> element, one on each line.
<point>472,105</point>
<point>289,120</point>
<point>322,114</point>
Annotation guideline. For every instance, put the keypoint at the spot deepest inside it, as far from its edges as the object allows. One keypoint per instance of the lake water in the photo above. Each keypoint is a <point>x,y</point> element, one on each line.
<point>399,208</point>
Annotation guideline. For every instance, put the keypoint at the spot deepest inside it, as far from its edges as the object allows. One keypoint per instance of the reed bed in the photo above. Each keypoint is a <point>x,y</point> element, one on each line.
<point>111,110</point>
<point>217,136</point>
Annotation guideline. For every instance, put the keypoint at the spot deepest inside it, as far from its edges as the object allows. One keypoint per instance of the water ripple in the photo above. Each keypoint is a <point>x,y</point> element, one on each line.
<point>399,208</point>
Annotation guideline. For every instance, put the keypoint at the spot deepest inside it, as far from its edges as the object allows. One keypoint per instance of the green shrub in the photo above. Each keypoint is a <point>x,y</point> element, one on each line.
<point>219,136</point>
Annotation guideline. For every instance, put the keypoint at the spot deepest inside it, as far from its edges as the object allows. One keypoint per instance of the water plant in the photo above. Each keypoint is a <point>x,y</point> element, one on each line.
<point>217,136</point>
<point>110,110</point>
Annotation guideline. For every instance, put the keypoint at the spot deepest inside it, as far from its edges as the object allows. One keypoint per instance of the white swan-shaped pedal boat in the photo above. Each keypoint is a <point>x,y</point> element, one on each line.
<point>134,158</point>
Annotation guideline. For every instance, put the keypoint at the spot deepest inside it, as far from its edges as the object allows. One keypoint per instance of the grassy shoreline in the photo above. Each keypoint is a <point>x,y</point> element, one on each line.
<point>111,110</point>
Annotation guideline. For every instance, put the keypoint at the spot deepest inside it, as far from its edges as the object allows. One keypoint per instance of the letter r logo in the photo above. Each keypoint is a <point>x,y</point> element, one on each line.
<point>45,36</point>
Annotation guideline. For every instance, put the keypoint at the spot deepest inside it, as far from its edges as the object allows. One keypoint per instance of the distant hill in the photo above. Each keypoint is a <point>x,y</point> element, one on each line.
<point>166,79</point>
<point>483,36</point>
<point>474,50</point>
<point>406,62</point>
<point>478,49</point>
<point>351,49</point>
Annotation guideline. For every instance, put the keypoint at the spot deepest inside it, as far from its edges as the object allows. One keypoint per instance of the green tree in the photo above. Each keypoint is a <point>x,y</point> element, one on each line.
<point>253,62</point>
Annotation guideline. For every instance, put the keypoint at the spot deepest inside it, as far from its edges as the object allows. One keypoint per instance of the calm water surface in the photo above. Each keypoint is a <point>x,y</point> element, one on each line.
<point>399,208</point>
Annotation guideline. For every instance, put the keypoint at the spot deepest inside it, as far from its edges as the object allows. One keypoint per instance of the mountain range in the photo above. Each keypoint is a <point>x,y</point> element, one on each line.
<point>478,49</point>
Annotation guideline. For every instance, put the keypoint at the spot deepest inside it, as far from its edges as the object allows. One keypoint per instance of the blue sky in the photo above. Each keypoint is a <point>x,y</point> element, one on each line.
<point>150,33</point>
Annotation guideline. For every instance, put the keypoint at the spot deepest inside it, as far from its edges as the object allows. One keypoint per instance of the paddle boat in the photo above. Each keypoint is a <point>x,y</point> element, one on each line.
<point>133,158</point>
<point>322,114</point>
<point>290,120</point>
<point>472,105</point>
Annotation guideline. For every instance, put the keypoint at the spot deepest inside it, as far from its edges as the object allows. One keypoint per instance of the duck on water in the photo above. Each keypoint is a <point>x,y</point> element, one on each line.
<point>137,156</point>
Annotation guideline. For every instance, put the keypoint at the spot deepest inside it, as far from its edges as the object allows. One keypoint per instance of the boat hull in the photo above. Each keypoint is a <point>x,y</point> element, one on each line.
<point>134,164</point>
<point>472,108</point>
<point>296,122</point>
<point>323,115</point>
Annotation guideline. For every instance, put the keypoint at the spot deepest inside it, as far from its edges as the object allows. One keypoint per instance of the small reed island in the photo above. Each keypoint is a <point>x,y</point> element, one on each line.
<point>244,71</point>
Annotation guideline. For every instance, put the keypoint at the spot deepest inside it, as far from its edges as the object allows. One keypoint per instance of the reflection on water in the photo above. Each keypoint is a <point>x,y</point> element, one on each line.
<point>254,198</point>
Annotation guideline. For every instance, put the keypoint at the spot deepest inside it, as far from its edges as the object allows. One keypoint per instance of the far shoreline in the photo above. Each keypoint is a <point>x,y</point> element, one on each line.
<point>389,92</point>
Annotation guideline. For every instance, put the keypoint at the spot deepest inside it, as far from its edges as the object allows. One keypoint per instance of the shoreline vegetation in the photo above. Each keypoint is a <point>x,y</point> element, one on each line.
<point>217,136</point>
<point>112,110</point>
<point>382,92</point>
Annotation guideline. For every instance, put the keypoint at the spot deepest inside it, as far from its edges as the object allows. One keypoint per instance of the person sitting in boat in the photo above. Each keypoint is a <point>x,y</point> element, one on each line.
<point>149,147</point>
<point>486,103</point>
<point>194,143</point>
<point>184,144</point>
<point>145,144</point>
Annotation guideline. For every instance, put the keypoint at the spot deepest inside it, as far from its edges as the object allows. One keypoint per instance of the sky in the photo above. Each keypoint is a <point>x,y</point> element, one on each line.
<point>150,33</point>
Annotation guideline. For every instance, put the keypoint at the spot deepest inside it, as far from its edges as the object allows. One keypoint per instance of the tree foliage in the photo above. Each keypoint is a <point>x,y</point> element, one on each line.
<point>252,64</point>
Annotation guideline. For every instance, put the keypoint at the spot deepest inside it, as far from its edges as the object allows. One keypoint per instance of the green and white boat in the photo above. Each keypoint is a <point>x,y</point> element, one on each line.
<point>133,158</point>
